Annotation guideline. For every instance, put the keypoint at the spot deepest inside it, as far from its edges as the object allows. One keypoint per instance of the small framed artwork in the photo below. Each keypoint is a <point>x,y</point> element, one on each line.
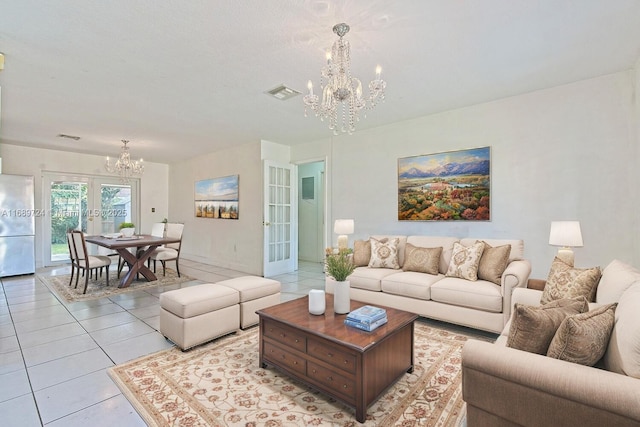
<point>217,198</point>
<point>447,186</point>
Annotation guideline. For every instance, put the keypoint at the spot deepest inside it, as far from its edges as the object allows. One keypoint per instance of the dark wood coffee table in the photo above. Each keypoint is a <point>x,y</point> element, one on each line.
<point>350,365</point>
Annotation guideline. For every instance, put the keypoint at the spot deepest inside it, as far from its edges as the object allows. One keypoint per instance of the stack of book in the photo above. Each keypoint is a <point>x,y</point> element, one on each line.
<point>366,318</point>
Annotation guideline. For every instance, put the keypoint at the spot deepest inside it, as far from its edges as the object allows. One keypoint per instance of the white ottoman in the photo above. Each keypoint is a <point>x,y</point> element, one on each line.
<point>256,293</point>
<point>197,314</point>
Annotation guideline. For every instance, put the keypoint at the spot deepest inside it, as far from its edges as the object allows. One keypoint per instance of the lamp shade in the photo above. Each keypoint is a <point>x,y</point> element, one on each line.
<point>343,226</point>
<point>566,234</point>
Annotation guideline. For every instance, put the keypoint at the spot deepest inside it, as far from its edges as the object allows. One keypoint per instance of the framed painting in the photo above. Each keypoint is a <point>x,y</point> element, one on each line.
<point>448,186</point>
<point>217,198</point>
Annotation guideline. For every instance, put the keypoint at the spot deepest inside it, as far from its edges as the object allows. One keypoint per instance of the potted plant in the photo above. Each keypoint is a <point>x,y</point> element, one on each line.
<point>127,228</point>
<point>339,266</point>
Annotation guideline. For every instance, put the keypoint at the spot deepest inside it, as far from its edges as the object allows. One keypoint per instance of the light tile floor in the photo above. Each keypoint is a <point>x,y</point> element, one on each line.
<point>54,355</point>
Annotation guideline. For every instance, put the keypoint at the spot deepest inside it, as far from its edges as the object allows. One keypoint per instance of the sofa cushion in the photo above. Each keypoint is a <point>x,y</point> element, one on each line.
<point>410,284</point>
<point>369,278</point>
<point>583,338</point>
<point>616,278</point>
<point>565,281</point>
<point>623,352</point>
<point>480,295</point>
<point>434,242</point>
<point>465,260</point>
<point>402,241</point>
<point>493,262</point>
<point>384,254</point>
<point>533,328</point>
<point>361,253</point>
<point>421,260</point>
<point>517,246</point>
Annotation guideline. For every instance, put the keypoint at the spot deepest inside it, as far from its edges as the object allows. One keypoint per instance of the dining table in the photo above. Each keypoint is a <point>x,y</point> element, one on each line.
<point>136,260</point>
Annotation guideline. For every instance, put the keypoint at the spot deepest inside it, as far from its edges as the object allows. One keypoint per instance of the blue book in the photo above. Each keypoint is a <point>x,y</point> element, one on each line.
<point>366,327</point>
<point>367,314</point>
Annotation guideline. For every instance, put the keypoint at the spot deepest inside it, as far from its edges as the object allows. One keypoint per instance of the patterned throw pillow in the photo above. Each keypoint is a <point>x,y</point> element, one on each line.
<point>493,262</point>
<point>583,338</point>
<point>564,281</point>
<point>422,260</point>
<point>464,261</point>
<point>533,328</point>
<point>384,254</point>
<point>361,253</point>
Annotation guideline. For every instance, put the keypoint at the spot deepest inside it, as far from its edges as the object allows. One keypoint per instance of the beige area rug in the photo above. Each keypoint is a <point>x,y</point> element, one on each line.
<point>98,289</point>
<point>221,384</point>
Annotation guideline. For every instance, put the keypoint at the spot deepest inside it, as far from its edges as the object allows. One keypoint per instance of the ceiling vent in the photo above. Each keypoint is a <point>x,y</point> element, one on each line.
<point>62,135</point>
<point>282,92</point>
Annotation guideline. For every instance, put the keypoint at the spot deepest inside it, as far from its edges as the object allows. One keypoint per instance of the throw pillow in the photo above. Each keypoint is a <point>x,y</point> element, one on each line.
<point>565,281</point>
<point>384,254</point>
<point>493,262</point>
<point>422,260</point>
<point>533,328</point>
<point>583,338</point>
<point>361,253</point>
<point>464,261</point>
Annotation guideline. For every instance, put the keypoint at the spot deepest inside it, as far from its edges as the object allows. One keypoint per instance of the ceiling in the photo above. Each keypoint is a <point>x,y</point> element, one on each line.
<point>183,78</point>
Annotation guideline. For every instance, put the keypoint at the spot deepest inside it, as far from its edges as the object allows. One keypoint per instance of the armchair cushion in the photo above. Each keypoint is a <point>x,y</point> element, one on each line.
<point>583,338</point>
<point>623,353</point>
<point>533,328</point>
<point>565,281</point>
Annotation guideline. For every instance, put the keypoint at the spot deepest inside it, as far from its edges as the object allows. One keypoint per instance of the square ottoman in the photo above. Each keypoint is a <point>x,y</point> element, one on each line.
<point>256,293</point>
<point>197,314</point>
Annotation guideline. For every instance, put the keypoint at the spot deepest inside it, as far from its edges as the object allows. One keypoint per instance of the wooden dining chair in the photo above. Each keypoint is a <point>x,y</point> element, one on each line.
<point>72,256</point>
<point>88,263</point>
<point>170,251</point>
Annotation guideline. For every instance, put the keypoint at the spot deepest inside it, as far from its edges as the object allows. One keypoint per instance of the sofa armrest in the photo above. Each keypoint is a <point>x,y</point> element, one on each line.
<point>503,386</point>
<point>526,296</point>
<point>514,276</point>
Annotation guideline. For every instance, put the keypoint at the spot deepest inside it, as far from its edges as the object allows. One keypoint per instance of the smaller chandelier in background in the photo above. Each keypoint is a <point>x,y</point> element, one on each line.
<point>124,166</point>
<point>340,89</point>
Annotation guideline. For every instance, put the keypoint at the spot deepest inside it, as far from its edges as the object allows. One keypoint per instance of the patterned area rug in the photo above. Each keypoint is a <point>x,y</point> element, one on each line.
<point>98,289</point>
<point>220,384</point>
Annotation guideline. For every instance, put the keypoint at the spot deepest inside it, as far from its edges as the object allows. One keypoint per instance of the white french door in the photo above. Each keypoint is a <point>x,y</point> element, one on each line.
<point>280,219</point>
<point>93,204</point>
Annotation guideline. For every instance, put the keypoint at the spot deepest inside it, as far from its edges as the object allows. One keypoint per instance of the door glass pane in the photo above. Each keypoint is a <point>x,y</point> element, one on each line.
<point>68,212</point>
<point>115,206</point>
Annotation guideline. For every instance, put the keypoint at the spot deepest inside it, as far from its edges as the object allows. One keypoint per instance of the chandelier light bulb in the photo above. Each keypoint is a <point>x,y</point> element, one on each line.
<point>342,94</point>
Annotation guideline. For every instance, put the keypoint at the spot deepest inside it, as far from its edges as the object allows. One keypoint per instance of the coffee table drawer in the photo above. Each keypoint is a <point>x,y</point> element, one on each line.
<point>282,357</point>
<point>335,357</point>
<point>286,336</point>
<point>332,380</point>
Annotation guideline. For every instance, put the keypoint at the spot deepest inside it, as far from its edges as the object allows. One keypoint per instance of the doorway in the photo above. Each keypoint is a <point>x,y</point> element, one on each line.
<point>92,204</point>
<point>311,211</point>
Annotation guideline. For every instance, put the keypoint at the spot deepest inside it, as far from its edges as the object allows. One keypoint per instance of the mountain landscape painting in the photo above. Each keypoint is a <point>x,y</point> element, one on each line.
<point>449,186</point>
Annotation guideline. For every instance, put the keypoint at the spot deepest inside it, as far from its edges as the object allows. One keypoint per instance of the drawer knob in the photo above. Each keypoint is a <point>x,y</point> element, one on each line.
<point>330,354</point>
<point>344,386</point>
<point>297,340</point>
<point>295,362</point>
<point>330,378</point>
<point>314,371</point>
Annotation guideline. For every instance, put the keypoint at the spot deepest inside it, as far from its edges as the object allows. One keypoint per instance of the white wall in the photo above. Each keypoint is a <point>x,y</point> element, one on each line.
<point>565,153</point>
<point>311,214</point>
<point>235,244</point>
<point>33,161</point>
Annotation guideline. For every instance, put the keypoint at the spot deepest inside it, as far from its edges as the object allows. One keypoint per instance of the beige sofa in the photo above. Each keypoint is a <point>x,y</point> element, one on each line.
<point>504,386</point>
<point>478,304</point>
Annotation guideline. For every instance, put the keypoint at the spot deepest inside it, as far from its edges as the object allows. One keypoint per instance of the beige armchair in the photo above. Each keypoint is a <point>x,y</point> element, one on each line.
<point>171,251</point>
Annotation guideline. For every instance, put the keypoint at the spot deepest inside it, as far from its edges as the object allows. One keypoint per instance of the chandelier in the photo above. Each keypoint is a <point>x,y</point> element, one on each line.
<point>340,89</point>
<point>124,166</point>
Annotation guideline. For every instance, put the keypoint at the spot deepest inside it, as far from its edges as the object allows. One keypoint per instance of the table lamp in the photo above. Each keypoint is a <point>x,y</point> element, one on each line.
<point>567,235</point>
<point>343,227</point>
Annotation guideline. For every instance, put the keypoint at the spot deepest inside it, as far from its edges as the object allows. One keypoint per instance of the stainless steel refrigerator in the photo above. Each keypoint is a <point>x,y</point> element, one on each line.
<point>17,225</point>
